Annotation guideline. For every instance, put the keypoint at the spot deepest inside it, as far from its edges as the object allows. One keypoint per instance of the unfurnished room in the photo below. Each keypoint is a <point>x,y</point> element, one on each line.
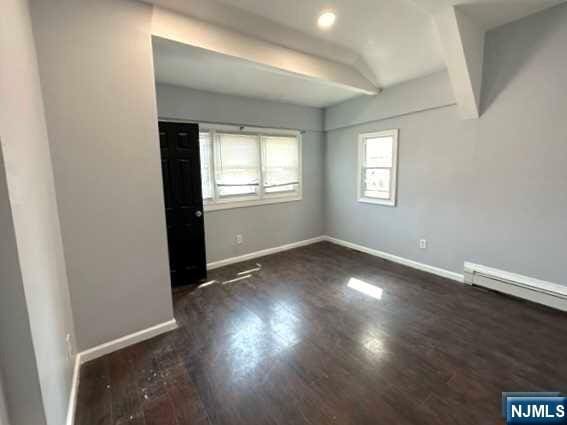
<point>273,212</point>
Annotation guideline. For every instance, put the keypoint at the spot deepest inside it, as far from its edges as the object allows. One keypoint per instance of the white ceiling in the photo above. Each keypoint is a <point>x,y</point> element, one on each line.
<point>491,13</point>
<point>227,16</point>
<point>187,66</point>
<point>388,41</point>
<point>397,40</point>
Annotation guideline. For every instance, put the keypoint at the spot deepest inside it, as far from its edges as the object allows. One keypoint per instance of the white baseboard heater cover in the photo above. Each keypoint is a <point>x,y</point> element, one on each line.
<point>535,290</point>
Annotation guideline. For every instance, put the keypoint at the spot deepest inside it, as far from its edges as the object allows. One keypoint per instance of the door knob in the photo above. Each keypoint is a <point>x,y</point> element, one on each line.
<point>198,213</point>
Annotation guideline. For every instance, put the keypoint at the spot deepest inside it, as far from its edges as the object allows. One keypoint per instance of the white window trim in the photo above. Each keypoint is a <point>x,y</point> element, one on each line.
<point>394,179</point>
<point>261,198</point>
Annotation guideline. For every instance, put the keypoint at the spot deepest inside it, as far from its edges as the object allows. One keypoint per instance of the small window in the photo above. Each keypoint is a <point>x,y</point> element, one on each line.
<point>378,166</point>
<point>247,167</point>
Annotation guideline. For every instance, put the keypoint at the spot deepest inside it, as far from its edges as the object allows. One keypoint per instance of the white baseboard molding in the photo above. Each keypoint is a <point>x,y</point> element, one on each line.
<point>535,290</point>
<point>400,260</point>
<point>263,252</point>
<point>74,391</point>
<point>410,263</point>
<point>107,348</point>
<point>127,340</point>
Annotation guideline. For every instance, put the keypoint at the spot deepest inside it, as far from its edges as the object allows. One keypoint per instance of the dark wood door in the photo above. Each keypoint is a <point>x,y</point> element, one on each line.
<point>181,168</point>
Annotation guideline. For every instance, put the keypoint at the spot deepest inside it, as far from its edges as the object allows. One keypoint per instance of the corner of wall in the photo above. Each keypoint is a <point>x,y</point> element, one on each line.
<point>324,174</point>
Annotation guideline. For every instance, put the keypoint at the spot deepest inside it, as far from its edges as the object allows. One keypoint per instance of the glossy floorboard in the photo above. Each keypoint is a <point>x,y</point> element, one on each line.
<point>304,340</point>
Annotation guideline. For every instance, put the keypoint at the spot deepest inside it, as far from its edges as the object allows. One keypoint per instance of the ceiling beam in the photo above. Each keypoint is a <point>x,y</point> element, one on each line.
<point>183,29</point>
<point>463,46</point>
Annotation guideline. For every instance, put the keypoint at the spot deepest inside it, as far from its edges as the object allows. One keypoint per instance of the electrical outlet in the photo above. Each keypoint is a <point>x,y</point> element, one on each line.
<point>423,244</point>
<point>239,239</point>
<point>70,351</point>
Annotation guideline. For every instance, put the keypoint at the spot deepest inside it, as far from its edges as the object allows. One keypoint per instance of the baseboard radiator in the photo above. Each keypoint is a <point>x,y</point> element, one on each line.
<point>535,290</point>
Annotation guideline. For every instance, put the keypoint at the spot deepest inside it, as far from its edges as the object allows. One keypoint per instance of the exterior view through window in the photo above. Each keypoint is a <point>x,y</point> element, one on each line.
<point>377,167</point>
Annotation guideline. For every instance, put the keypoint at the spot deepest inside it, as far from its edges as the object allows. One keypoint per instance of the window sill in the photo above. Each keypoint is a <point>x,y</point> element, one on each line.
<point>227,205</point>
<point>384,202</point>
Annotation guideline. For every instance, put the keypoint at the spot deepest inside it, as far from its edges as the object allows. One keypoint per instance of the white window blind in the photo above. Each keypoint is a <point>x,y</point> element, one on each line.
<point>378,167</point>
<point>237,164</point>
<point>280,164</point>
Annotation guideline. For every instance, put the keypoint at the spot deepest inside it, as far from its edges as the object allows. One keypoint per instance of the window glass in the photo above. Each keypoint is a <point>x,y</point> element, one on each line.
<point>377,183</point>
<point>378,167</point>
<point>206,164</point>
<point>379,152</point>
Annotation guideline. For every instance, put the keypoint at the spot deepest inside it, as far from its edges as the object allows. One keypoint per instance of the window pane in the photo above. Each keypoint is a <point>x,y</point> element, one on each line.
<point>377,183</point>
<point>206,169</point>
<point>237,166</point>
<point>378,152</point>
<point>281,164</point>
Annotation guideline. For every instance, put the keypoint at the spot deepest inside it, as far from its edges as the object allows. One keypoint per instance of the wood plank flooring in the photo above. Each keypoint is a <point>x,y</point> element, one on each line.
<point>294,344</point>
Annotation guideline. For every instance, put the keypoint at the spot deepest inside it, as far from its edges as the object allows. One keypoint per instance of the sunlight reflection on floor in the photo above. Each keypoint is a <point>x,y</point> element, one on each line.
<point>365,288</point>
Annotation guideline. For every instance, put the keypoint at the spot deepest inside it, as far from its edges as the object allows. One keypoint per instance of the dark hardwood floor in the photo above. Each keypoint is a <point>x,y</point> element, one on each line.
<point>294,344</point>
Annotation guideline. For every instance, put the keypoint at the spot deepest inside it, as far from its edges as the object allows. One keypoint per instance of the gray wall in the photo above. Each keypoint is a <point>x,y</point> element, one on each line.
<point>432,91</point>
<point>265,226</point>
<point>38,251</point>
<point>96,69</point>
<point>4,420</point>
<point>18,369</point>
<point>183,103</point>
<point>490,191</point>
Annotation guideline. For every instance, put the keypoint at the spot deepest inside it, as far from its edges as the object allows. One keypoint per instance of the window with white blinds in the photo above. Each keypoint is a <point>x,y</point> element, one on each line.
<point>237,164</point>
<point>247,166</point>
<point>280,164</point>
<point>377,168</point>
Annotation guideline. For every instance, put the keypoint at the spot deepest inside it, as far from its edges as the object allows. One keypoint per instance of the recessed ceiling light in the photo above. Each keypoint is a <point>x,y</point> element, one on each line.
<point>326,20</point>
